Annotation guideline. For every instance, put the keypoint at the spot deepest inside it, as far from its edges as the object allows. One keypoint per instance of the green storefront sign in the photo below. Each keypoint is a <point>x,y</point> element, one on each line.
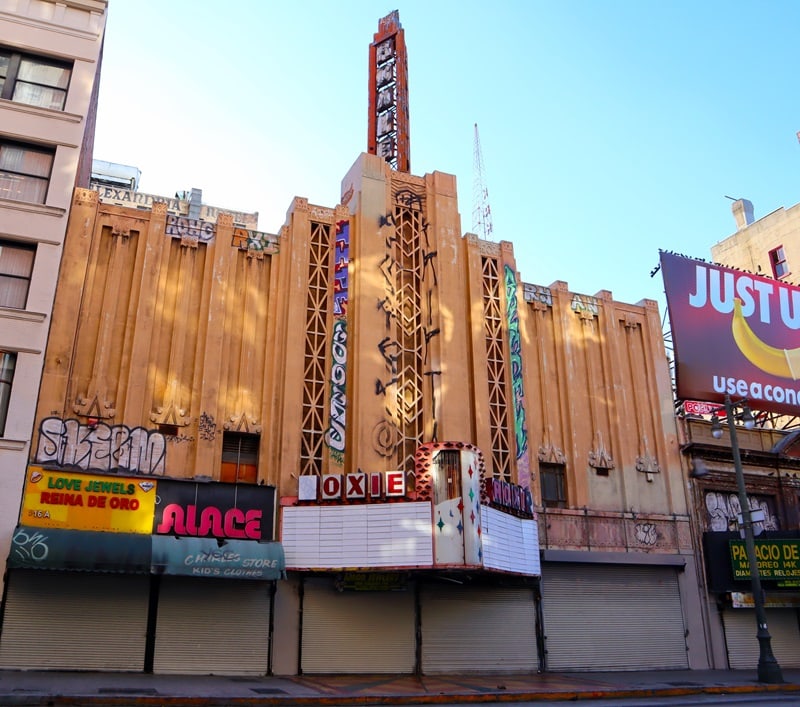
<point>777,560</point>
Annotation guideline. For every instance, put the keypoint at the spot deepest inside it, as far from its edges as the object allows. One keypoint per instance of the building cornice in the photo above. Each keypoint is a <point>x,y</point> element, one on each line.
<point>48,113</point>
<point>13,205</point>
<point>22,314</point>
<point>96,8</point>
<point>14,445</point>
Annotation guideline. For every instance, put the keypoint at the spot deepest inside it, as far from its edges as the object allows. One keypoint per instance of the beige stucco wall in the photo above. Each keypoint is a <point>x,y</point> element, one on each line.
<point>749,247</point>
<point>188,339</point>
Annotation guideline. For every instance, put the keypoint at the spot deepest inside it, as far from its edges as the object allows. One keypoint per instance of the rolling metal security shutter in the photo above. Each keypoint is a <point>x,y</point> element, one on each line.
<point>69,621</point>
<point>612,617</point>
<point>740,636</point>
<point>357,632</point>
<point>472,629</point>
<point>212,627</point>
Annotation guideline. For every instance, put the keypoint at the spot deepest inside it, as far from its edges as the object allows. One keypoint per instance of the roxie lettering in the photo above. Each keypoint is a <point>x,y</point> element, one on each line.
<point>720,288</point>
<point>233,523</point>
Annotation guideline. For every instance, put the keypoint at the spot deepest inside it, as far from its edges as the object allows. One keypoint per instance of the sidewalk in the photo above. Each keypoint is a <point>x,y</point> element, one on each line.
<point>74,688</point>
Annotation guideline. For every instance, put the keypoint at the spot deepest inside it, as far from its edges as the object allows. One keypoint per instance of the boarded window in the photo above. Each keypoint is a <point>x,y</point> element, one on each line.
<point>240,457</point>
<point>551,477</point>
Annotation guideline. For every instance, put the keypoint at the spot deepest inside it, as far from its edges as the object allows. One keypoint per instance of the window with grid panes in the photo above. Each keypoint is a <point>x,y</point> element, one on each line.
<point>16,267</point>
<point>8,362</point>
<point>35,80</point>
<point>25,171</point>
<point>777,259</point>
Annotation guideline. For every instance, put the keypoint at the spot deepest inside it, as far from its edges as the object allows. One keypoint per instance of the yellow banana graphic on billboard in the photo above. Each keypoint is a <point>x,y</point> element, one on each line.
<point>779,362</point>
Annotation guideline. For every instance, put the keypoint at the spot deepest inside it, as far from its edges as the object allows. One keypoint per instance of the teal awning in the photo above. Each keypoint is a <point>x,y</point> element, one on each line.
<point>225,559</point>
<point>90,551</point>
<point>135,553</point>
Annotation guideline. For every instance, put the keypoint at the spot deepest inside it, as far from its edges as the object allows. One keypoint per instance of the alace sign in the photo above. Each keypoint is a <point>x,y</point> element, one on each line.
<point>236,511</point>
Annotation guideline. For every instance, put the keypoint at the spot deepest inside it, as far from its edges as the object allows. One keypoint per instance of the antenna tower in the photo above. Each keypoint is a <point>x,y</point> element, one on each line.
<point>481,211</point>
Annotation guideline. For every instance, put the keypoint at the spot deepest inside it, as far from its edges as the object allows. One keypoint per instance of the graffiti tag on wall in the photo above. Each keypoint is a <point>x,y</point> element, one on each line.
<point>207,427</point>
<point>515,347</point>
<point>100,447</point>
<point>410,281</point>
<point>724,507</point>
<point>184,227</point>
<point>537,293</point>
<point>646,533</point>
<point>335,436</point>
<point>247,239</point>
<point>585,303</point>
<point>29,545</point>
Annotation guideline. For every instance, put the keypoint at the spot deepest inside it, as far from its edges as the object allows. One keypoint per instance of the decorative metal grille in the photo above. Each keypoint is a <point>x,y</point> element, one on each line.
<point>316,346</point>
<point>410,227</point>
<point>496,369</point>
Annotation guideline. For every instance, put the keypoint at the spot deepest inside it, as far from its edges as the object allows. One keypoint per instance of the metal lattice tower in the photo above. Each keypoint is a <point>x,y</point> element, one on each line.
<point>481,211</point>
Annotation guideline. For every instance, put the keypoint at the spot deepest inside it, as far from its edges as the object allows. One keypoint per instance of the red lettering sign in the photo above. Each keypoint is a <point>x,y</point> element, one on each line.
<point>375,484</point>
<point>234,523</point>
<point>510,496</point>
<point>331,486</point>
<point>358,487</point>
<point>355,486</point>
<point>396,483</point>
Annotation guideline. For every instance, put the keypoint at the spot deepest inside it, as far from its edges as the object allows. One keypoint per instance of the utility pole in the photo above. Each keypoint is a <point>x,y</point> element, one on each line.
<point>481,211</point>
<point>769,670</point>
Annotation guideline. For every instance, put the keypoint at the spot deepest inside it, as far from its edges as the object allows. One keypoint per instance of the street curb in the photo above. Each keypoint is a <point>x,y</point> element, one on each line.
<point>22,700</point>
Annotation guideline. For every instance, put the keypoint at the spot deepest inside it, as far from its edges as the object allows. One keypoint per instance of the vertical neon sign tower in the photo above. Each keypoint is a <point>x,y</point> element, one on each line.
<point>388,94</point>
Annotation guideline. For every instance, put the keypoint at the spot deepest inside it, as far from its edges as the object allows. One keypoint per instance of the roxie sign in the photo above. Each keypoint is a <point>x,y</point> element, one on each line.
<point>359,487</point>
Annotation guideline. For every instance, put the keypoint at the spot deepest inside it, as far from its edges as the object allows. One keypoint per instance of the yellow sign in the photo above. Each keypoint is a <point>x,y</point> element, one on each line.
<point>76,501</point>
<point>777,559</point>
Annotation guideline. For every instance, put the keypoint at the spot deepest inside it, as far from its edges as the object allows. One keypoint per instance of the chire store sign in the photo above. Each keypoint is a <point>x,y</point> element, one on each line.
<point>361,487</point>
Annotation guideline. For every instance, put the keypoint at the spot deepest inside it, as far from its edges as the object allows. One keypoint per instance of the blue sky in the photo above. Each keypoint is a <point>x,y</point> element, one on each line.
<point>609,128</point>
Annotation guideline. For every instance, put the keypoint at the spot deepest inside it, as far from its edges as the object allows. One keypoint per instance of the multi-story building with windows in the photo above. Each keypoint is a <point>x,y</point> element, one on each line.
<point>49,70</point>
<point>769,246</point>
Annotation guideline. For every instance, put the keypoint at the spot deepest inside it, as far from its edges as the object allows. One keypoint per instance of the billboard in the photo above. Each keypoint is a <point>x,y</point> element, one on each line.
<point>734,333</point>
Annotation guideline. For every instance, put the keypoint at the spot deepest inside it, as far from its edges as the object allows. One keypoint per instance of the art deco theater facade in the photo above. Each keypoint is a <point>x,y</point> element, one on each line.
<point>361,444</point>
